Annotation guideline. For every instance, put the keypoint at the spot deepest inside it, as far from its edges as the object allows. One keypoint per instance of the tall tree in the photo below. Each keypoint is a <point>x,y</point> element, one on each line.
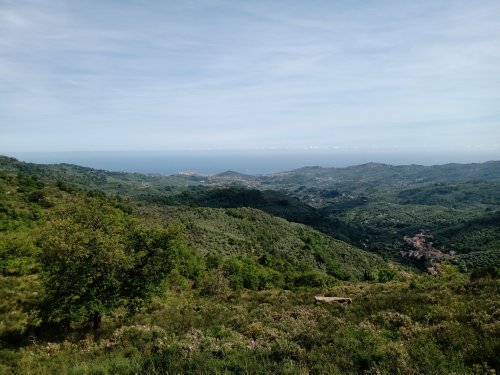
<point>95,257</point>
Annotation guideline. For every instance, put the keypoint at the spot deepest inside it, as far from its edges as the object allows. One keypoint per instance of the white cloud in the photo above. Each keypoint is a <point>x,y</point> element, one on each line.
<point>247,73</point>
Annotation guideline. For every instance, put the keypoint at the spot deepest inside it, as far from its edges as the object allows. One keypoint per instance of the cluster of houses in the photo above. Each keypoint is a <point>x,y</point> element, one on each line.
<point>422,248</point>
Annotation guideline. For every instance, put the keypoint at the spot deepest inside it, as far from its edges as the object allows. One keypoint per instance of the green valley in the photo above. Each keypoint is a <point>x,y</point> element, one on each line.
<point>124,273</point>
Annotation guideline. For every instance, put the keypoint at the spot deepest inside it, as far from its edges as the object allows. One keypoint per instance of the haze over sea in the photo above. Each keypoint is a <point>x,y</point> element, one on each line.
<point>249,161</point>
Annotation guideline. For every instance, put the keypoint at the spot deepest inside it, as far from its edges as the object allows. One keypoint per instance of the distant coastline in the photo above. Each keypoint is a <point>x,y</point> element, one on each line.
<point>249,162</point>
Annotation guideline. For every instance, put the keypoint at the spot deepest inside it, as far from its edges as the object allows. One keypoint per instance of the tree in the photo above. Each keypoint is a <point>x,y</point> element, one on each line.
<point>156,252</point>
<point>95,257</point>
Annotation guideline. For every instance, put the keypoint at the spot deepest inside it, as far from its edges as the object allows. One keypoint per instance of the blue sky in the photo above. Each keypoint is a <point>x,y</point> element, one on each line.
<point>228,74</point>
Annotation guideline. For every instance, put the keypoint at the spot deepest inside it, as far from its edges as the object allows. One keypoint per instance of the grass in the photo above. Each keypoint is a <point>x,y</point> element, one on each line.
<point>439,326</point>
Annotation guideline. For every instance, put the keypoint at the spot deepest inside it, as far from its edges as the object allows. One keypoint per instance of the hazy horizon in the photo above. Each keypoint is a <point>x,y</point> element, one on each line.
<point>244,161</point>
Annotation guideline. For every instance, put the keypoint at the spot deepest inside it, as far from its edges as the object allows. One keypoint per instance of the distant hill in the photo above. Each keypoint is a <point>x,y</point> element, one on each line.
<point>26,200</point>
<point>232,174</point>
<point>273,202</point>
<point>123,182</point>
<point>120,183</point>
<point>390,174</point>
<point>371,206</point>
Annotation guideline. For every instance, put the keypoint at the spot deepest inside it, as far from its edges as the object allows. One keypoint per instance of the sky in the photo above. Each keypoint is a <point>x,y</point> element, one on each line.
<point>104,75</point>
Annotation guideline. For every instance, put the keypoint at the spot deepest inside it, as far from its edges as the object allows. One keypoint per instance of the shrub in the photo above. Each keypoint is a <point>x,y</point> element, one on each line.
<point>485,273</point>
<point>387,274</point>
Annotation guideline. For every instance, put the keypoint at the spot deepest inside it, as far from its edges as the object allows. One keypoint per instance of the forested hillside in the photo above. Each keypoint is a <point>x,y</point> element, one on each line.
<point>371,206</point>
<point>104,272</point>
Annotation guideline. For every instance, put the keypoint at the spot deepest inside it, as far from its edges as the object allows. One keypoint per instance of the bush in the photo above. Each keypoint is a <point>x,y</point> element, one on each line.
<point>214,283</point>
<point>485,273</point>
<point>387,274</point>
<point>314,279</point>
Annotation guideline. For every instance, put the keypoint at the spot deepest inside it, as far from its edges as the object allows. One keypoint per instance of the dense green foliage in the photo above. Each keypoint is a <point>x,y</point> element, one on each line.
<point>83,259</point>
<point>86,254</point>
<point>371,206</point>
<point>93,257</point>
<point>195,274</point>
<point>426,326</point>
<point>247,231</point>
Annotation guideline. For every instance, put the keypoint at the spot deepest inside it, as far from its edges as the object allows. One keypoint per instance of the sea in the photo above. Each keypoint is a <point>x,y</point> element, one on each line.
<point>208,162</point>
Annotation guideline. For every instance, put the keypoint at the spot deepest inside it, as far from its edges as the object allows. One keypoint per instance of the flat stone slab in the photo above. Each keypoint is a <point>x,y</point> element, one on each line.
<point>332,299</point>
